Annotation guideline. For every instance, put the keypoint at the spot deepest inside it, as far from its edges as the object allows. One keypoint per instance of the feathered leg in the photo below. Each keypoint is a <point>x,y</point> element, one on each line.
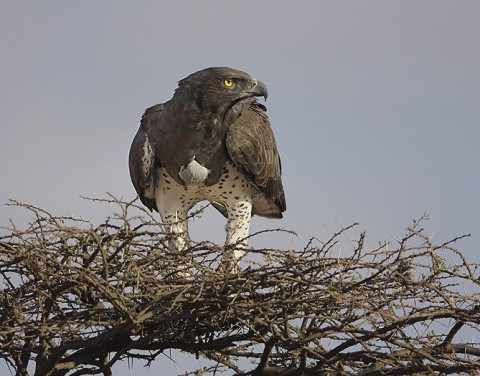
<point>238,225</point>
<point>170,204</point>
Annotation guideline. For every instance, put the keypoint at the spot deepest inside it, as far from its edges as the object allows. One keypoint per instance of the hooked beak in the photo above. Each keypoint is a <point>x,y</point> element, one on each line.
<point>259,89</point>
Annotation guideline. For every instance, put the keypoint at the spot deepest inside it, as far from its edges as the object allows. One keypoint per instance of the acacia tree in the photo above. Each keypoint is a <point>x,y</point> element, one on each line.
<point>78,298</point>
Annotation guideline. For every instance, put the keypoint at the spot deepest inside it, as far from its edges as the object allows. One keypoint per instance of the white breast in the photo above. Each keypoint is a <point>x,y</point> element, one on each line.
<point>194,173</point>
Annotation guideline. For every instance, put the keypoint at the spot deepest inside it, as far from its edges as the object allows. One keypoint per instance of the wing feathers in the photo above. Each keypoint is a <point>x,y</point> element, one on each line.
<point>251,145</point>
<point>142,159</point>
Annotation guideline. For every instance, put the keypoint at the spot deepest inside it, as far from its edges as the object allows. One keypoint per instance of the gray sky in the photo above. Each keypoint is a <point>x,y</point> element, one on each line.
<point>375,106</point>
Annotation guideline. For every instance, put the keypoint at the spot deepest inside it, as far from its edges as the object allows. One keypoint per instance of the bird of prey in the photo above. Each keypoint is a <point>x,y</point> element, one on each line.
<point>212,141</point>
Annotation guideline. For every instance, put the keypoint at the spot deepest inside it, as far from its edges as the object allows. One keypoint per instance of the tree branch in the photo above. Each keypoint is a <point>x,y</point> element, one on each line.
<point>78,298</point>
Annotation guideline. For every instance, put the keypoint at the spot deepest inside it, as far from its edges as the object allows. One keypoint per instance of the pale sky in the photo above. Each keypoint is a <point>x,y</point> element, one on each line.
<point>375,106</point>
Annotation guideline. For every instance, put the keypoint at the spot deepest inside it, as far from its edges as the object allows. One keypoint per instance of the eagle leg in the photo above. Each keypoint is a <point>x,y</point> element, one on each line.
<point>238,225</point>
<point>177,226</point>
<point>179,229</point>
<point>175,222</point>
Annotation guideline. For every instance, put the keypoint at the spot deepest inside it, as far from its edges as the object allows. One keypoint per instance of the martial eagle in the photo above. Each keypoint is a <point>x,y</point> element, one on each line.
<point>212,141</point>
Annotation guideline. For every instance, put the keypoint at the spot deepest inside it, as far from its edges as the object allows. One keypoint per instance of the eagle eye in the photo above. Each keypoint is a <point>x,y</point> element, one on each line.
<point>228,82</point>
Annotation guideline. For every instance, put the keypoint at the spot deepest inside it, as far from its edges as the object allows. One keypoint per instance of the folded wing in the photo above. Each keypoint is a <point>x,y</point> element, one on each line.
<point>142,159</point>
<point>252,147</point>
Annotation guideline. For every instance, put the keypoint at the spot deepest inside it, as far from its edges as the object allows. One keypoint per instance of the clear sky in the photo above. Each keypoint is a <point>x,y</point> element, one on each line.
<point>375,106</point>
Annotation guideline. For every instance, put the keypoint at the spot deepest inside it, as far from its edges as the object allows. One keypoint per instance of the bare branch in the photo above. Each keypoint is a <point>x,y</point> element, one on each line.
<point>77,298</point>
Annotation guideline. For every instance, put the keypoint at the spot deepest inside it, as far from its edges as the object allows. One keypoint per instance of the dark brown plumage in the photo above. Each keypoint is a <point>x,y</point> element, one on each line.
<point>211,141</point>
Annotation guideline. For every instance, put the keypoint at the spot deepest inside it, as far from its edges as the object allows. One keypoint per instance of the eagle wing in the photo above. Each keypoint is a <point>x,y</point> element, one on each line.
<point>142,158</point>
<point>252,147</point>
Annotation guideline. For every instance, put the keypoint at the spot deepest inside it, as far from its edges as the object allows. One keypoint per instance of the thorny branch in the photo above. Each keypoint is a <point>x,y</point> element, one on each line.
<point>77,298</point>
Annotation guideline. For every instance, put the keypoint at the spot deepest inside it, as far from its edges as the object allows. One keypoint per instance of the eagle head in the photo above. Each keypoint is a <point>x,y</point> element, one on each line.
<point>217,89</point>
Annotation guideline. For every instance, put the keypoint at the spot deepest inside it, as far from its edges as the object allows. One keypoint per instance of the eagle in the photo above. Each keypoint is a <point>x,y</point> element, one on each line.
<point>212,141</point>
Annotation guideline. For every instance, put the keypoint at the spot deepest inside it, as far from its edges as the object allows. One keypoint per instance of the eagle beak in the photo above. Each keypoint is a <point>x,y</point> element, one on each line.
<point>259,89</point>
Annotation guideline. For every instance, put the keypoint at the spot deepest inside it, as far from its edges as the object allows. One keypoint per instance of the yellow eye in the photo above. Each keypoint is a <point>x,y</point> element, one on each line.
<point>228,82</point>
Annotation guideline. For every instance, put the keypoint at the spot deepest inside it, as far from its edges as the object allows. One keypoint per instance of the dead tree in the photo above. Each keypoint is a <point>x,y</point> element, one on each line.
<point>77,298</point>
